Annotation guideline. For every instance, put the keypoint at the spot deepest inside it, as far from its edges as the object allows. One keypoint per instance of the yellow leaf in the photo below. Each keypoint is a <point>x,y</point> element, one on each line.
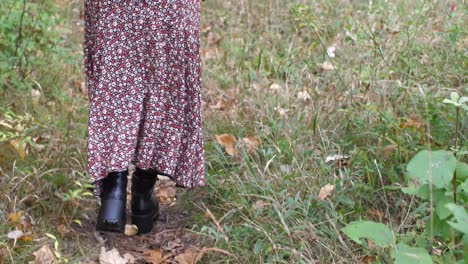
<point>15,217</point>
<point>20,147</point>
<point>131,230</point>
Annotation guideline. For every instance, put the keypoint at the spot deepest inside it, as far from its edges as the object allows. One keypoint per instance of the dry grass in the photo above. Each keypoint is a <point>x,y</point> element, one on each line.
<point>267,74</point>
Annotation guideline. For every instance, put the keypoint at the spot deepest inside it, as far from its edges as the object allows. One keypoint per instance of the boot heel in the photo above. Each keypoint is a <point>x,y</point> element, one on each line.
<point>111,216</point>
<point>145,223</point>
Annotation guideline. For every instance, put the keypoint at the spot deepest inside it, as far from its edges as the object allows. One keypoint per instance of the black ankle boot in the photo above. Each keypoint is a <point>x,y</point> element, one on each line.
<point>145,206</point>
<point>113,202</point>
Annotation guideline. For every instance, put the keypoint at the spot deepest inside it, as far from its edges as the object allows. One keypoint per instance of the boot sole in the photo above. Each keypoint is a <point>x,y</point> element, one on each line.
<point>145,222</point>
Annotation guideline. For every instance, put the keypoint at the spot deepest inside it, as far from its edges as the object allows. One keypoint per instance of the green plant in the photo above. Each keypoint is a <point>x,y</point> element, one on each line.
<point>434,177</point>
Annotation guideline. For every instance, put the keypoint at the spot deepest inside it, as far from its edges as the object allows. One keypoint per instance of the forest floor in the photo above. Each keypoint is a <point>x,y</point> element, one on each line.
<point>312,111</point>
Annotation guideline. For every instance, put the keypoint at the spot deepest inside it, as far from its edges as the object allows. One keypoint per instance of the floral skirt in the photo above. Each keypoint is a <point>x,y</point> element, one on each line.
<point>142,72</point>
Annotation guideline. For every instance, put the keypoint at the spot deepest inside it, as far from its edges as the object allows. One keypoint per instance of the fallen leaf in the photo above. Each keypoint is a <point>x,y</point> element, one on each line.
<point>376,215</point>
<point>26,238</point>
<point>368,259</point>
<point>44,255</point>
<point>303,95</point>
<point>3,254</point>
<point>281,111</point>
<point>166,192</point>
<point>335,157</point>
<point>129,257</point>
<point>252,143</point>
<point>20,147</point>
<point>190,256</point>
<point>131,230</point>
<point>218,106</point>
<point>413,122</point>
<point>341,161</point>
<point>331,51</point>
<point>325,191</point>
<point>274,87</point>
<point>154,256</point>
<point>259,205</point>
<point>15,234</point>
<point>228,141</point>
<point>226,101</point>
<point>171,245</point>
<point>36,95</point>
<point>326,66</point>
<point>62,229</point>
<point>386,152</point>
<point>111,257</point>
<point>15,217</point>
<point>371,244</point>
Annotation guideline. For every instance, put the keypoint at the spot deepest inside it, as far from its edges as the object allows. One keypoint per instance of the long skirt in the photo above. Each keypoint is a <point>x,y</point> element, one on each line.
<point>143,76</point>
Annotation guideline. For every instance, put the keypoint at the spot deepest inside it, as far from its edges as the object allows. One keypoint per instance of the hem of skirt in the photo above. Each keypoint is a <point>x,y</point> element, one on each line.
<point>171,177</point>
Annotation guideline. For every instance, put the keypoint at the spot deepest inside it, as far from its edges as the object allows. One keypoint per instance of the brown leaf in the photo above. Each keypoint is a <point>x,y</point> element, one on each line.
<point>26,238</point>
<point>368,259</point>
<point>3,254</point>
<point>44,255</point>
<point>325,191</point>
<point>228,141</point>
<point>413,122</point>
<point>371,244</point>
<point>252,143</point>
<point>62,229</point>
<point>111,257</point>
<point>166,192</point>
<point>227,101</point>
<point>386,152</point>
<point>190,256</point>
<point>154,256</point>
<point>377,215</point>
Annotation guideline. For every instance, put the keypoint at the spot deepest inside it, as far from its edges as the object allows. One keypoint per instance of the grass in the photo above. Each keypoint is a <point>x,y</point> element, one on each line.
<point>378,100</point>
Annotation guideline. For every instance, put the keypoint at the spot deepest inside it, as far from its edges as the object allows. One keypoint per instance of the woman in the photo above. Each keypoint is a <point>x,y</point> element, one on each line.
<point>142,73</point>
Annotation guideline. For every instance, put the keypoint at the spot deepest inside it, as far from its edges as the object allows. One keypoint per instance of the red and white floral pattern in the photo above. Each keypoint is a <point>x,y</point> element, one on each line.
<point>142,71</point>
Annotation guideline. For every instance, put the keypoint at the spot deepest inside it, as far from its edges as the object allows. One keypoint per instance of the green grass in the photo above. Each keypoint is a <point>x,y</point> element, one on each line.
<point>395,63</point>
